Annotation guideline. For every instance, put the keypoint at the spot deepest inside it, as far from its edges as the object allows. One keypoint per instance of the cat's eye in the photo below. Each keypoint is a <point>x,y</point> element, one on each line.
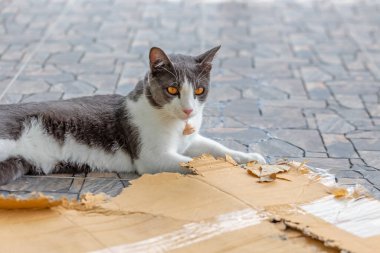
<point>199,91</point>
<point>172,90</point>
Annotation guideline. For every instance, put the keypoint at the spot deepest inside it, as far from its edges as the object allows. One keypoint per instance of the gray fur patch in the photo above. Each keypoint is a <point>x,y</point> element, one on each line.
<point>99,121</point>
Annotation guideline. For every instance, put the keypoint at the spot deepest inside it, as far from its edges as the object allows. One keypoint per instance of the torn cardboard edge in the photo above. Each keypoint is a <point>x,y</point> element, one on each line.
<point>168,204</point>
<point>37,200</point>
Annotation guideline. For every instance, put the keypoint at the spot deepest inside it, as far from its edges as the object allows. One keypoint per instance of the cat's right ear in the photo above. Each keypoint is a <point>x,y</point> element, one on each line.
<point>158,59</point>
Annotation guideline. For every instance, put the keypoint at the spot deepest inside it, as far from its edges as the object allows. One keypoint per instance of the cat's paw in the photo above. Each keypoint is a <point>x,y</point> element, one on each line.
<point>248,157</point>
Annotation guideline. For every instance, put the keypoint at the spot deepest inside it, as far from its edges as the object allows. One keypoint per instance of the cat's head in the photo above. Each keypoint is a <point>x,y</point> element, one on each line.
<point>179,84</point>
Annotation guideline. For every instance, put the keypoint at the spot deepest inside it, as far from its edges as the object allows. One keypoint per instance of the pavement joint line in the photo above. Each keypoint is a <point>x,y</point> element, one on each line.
<point>37,48</point>
<point>355,38</point>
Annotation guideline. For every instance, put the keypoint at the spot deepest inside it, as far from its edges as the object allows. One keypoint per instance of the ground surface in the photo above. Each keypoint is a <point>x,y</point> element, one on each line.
<point>297,79</point>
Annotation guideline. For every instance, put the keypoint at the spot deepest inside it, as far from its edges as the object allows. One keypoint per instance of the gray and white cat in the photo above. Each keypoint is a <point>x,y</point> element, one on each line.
<point>141,132</point>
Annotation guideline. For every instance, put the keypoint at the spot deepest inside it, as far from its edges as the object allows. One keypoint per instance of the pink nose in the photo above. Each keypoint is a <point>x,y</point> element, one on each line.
<point>188,111</point>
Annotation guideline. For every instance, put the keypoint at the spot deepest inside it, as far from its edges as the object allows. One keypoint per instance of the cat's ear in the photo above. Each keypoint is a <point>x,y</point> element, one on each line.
<point>158,59</point>
<point>206,58</point>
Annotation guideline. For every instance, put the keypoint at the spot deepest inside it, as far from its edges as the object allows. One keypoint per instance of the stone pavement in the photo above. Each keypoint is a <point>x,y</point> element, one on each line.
<point>296,79</point>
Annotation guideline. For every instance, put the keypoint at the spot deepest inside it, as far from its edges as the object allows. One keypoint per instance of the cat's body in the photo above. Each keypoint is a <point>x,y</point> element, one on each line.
<point>141,132</point>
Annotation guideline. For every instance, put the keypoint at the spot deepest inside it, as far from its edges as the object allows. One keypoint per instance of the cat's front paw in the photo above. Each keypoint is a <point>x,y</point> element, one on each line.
<point>248,157</point>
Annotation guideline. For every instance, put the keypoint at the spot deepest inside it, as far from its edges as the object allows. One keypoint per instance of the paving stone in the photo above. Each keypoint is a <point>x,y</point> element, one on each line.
<point>372,158</point>
<point>111,187</point>
<point>28,87</point>
<point>308,140</point>
<point>73,88</point>
<point>338,146</point>
<point>39,184</point>
<point>351,181</point>
<point>65,57</point>
<point>276,148</point>
<point>367,144</point>
<point>318,90</point>
<point>328,163</point>
<point>242,107</point>
<point>364,135</point>
<point>103,82</point>
<point>274,122</point>
<point>42,97</point>
<point>232,144</point>
<point>243,135</point>
<point>350,101</point>
<point>274,111</point>
<point>329,123</point>
<point>232,63</point>
<point>224,93</point>
<point>264,92</point>
<point>373,177</point>
<point>313,74</point>
<point>348,174</point>
<point>77,184</point>
<point>374,110</point>
<point>315,154</point>
<point>293,87</point>
<point>297,103</point>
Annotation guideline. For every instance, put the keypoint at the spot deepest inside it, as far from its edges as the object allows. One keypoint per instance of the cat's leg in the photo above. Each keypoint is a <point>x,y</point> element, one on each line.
<point>13,168</point>
<point>203,145</point>
<point>163,162</point>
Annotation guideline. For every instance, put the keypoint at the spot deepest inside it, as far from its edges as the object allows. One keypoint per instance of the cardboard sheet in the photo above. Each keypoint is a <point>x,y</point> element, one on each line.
<point>224,209</point>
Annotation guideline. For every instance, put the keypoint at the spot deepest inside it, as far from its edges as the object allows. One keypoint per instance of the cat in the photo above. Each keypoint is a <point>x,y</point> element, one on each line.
<point>142,132</point>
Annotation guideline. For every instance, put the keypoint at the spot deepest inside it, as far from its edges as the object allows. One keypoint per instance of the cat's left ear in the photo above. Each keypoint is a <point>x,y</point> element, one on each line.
<point>158,59</point>
<point>206,58</point>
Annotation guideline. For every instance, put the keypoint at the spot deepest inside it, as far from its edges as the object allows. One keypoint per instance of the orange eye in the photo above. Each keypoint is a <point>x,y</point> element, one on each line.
<point>172,90</point>
<point>199,91</point>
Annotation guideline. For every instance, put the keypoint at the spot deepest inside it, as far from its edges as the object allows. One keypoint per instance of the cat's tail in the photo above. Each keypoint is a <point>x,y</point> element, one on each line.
<point>13,168</point>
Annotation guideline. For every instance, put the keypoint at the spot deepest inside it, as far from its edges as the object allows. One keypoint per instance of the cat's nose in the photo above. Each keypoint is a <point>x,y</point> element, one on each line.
<point>187,111</point>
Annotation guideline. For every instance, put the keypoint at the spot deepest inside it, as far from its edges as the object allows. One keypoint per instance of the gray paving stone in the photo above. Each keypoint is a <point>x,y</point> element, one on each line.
<point>73,88</point>
<point>276,148</point>
<point>338,146</point>
<point>367,144</point>
<point>297,103</point>
<point>348,174</point>
<point>102,82</point>
<point>352,101</point>
<point>112,187</point>
<point>243,107</point>
<point>373,177</point>
<point>41,97</point>
<point>274,122</point>
<point>313,74</point>
<point>329,123</point>
<point>308,140</point>
<point>39,184</point>
<point>328,163</point>
<point>264,92</point>
<point>293,87</point>
<point>374,110</point>
<point>317,90</point>
<point>224,93</point>
<point>372,158</point>
<point>274,111</point>
<point>28,87</point>
<point>66,57</point>
<point>243,135</point>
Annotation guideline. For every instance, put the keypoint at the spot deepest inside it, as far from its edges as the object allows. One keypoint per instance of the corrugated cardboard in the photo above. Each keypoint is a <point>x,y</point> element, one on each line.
<point>224,209</point>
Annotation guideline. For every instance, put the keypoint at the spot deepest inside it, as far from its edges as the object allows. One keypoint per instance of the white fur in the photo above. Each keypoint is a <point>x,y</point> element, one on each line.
<point>161,131</point>
<point>42,150</point>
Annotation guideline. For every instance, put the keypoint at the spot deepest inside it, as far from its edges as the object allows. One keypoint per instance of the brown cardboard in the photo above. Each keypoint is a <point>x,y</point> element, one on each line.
<point>224,209</point>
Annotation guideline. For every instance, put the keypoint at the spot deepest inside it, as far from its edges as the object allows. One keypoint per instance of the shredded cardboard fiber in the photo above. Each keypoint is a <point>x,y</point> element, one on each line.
<point>222,209</point>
